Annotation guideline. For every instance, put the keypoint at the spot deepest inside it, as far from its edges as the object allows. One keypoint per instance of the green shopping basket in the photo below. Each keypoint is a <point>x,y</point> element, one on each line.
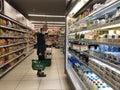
<point>47,62</point>
<point>37,65</point>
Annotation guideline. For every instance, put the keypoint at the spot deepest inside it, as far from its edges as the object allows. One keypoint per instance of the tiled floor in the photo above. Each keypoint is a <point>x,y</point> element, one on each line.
<point>22,77</point>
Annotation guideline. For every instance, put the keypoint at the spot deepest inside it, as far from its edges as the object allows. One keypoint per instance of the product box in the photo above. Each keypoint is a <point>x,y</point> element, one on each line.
<point>119,78</point>
<point>102,68</point>
<point>108,70</point>
<point>108,74</point>
<point>117,85</point>
<point>108,78</point>
<point>113,72</point>
<point>101,73</point>
<point>97,65</point>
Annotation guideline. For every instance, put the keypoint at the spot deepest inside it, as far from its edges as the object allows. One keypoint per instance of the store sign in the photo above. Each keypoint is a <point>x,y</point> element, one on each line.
<point>1,6</point>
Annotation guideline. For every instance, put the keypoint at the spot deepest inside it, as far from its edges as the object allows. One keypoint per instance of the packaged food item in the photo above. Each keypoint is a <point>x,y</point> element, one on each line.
<point>1,70</point>
<point>0,21</point>
<point>10,57</point>
<point>4,22</point>
<point>2,60</point>
<point>0,32</point>
<point>118,12</point>
<point>3,51</point>
<point>3,42</point>
<point>9,24</point>
<point>11,64</point>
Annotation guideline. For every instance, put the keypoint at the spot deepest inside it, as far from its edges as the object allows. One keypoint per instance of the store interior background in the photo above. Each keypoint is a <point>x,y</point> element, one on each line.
<point>79,28</point>
<point>34,13</point>
<point>30,16</point>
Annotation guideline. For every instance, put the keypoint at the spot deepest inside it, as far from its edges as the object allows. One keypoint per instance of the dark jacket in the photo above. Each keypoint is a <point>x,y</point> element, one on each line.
<point>41,47</point>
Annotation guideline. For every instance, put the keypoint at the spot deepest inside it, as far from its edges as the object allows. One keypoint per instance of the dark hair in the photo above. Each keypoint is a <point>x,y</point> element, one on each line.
<point>41,29</point>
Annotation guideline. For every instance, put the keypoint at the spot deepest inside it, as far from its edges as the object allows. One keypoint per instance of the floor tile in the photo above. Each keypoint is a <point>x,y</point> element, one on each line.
<point>31,72</point>
<point>23,77</point>
<point>12,77</point>
<point>8,85</point>
<point>65,84</point>
<point>51,76</point>
<point>28,85</point>
<point>31,78</point>
<point>50,84</point>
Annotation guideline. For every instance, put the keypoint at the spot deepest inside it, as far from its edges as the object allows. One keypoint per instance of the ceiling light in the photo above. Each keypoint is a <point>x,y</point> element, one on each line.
<point>49,25</point>
<point>47,22</point>
<point>77,7</point>
<point>37,15</point>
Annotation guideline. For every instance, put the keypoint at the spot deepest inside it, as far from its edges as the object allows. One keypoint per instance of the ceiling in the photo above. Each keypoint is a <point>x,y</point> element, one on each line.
<point>42,7</point>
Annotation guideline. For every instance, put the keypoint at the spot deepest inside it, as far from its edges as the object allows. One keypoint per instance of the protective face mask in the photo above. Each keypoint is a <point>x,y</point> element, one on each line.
<point>43,32</point>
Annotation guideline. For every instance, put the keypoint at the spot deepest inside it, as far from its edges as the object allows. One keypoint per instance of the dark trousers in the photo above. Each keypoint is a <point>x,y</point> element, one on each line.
<point>41,57</point>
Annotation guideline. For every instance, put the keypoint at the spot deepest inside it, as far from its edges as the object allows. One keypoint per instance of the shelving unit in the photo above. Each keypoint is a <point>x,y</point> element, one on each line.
<point>16,43</point>
<point>75,79</point>
<point>86,31</point>
<point>12,44</point>
<point>61,40</point>
<point>15,64</point>
<point>97,70</point>
<point>13,29</point>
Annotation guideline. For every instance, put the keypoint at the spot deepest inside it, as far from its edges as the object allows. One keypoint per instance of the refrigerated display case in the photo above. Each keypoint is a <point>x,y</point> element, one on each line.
<point>93,46</point>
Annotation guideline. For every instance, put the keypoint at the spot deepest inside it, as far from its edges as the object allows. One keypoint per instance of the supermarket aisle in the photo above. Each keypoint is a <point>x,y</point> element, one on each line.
<point>22,77</point>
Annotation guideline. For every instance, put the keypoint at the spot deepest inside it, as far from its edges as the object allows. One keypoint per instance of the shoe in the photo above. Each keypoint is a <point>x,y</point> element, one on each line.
<point>41,74</point>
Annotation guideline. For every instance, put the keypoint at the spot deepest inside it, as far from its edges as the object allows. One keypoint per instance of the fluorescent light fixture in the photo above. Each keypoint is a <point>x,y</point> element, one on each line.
<point>56,25</point>
<point>37,15</point>
<point>47,22</point>
<point>48,25</point>
<point>77,7</point>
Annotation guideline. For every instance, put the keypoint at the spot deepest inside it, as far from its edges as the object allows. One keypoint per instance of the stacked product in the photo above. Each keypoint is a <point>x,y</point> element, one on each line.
<point>91,80</point>
<point>13,43</point>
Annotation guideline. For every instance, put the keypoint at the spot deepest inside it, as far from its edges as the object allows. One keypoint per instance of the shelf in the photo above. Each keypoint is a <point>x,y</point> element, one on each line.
<point>110,25</point>
<point>113,25</point>
<point>14,21</point>
<point>12,44</point>
<point>102,60</point>
<point>11,52</point>
<point>105,8</point>
<point>79,59</point>
<point>108,82</point>
<point>100,11</point>
<point>77,82</point>
<point>107,62</point>
<point>13,37</point>
<point>13,29</point>
<point>113,43</point>
<point>11,60</point>
<point>105,65</point>
<point>27,53</point>
<point>31,45</point>
<point>31,49</point>
<point>104,79</point>
<point>90,41</point>
<point>14,65</point>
